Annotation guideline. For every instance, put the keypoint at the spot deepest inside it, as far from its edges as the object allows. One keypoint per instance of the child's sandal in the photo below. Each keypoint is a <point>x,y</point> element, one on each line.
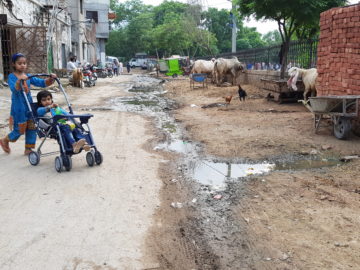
<point>27,151</point>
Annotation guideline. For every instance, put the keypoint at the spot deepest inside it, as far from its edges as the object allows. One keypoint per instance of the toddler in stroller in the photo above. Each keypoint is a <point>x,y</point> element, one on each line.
<point>72,136</point>
<point>47,109</point>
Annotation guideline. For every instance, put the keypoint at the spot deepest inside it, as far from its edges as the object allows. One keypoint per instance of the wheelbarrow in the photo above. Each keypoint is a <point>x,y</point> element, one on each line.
<point>199,78</point>
<point>340,109</point>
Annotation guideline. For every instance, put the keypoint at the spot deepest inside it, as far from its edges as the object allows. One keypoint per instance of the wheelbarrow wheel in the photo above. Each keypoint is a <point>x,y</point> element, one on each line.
<point>355,122</point>
<point>342,128</point>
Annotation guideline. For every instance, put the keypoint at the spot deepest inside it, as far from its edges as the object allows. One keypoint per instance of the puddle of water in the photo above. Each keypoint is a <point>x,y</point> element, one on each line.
<point>134,90</point>
<point>216,173</point>
<point>147,99</point>
<point>147,103</point>
<point>178,146</point>
<point>170,127</point>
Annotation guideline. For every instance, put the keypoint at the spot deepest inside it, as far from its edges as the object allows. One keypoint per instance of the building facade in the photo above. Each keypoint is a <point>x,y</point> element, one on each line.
<point>48,32</point>
<point>39,29</point>
<point>97,11</point>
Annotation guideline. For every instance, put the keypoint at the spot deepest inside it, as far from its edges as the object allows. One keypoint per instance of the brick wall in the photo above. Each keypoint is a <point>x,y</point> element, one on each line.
<point>338,61</point>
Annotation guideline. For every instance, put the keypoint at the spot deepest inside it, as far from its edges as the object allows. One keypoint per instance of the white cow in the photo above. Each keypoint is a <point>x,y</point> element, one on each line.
<point>203,66</point>
<point>224,66</point>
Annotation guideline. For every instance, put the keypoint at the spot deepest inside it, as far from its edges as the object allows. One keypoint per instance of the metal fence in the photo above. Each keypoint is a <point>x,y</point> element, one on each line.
<point>302,54</point>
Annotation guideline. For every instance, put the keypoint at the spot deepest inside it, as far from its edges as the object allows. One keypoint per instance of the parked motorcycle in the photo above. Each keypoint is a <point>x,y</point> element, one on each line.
<point>110,72</point>
<point>101,72</point>
<point>88,78</point>
<point>93,69</point>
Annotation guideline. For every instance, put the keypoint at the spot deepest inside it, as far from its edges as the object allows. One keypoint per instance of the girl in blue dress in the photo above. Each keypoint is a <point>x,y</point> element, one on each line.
<point>20,121</point>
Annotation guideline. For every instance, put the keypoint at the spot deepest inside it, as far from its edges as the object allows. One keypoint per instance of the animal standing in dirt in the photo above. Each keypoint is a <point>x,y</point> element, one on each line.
<point>78,78</point>
<point>242,93</point>
<point>308,77</point>
<point>228,99</point>
<point>204,66</point>
<point>223,66</point>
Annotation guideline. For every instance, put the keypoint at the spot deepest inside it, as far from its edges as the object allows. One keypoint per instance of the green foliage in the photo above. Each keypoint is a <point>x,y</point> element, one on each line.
<point>138,33</point>
<point>217,22</point>
<point>126,12</point>
<point>160,12</point>
<point>249,38</point>
<point>272,38</point>
<point>300,17</point>
<point>115,44</point>
<point>176,28</point>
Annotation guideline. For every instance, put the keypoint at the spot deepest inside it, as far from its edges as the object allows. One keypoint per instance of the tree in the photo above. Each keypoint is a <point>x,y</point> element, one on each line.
<point>159,12</point>
<point>217,22</point>
<point>272,38</point>
<point>138,33</point>
<point>249,38</point>
<point>126,12</point>
<point>289,16</point>
<point>180,35</point>
<point>116,43</point>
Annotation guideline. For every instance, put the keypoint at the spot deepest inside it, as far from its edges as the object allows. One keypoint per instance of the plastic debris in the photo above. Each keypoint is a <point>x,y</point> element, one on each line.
<point>176,205</point>
<point>217,197</point>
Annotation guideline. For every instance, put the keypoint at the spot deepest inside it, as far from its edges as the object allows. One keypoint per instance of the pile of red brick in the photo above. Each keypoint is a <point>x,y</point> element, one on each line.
<point>338,61</point>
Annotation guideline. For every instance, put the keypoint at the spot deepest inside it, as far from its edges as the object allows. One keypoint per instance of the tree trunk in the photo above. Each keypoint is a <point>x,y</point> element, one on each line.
<point>284,59</point>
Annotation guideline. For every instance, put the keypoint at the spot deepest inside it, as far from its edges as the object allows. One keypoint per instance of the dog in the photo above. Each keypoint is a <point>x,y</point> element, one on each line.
<point>242,93</point>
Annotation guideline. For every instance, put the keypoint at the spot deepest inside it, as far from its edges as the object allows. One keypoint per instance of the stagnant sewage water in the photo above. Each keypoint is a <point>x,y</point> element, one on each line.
<point>148,99</point>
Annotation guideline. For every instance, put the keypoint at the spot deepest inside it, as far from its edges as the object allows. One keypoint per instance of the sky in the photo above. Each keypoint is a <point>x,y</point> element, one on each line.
<point>262,27</point>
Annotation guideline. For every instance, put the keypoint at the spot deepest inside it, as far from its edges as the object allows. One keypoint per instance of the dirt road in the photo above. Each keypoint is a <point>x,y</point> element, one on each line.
<point>242,186</point>
<point>89,218</point>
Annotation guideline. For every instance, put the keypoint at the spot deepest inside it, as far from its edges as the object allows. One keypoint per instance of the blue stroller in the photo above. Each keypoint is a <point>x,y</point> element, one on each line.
<point>52,131</point>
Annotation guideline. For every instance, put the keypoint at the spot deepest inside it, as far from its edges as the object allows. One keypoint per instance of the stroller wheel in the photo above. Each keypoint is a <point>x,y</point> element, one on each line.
<point>66,159</point>
<point>98,157</point>
<point>58,164</point>
<point>34,158</point>
<point>90,158</point>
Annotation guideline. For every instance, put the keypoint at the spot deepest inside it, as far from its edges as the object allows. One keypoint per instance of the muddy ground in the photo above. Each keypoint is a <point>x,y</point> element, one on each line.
<point>300,217</point>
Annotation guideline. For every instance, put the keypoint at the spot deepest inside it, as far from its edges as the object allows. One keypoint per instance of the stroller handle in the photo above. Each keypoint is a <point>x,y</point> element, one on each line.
<point>41,75</point>
<point>58,82</point>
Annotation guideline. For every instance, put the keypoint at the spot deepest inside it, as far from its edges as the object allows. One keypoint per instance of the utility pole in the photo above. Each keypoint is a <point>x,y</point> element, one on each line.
<point>234,28</point>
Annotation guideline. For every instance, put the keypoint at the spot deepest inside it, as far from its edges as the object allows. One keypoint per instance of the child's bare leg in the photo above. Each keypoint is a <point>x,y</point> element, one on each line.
<point>30,137</point>
<point>4,143</point>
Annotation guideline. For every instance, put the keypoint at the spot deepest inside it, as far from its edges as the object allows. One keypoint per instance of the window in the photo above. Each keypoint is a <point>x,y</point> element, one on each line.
<point>92,15</point>
<point>84,50</point>
<point>81,6</point>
